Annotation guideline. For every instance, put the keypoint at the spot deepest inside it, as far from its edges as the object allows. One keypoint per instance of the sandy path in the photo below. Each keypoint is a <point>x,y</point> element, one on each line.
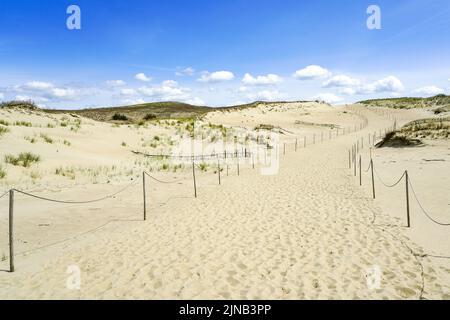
<point>306,233</point>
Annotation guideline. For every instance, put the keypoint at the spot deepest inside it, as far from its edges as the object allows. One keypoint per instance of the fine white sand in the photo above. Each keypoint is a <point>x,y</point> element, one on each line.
<point>308,232</point>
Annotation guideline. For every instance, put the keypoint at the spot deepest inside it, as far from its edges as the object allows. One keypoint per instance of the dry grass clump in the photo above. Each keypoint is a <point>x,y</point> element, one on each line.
<point>2,173</point>
<point>24,159</point>
<point>435,128</point>
<point>3,130</point>
<point>46,138</point>
<point>23,124</point>
<point>66,172</point>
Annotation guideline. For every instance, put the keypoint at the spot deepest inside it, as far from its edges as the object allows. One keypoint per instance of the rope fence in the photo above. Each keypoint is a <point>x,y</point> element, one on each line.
<point>408,187</point>
<point>243,154</point>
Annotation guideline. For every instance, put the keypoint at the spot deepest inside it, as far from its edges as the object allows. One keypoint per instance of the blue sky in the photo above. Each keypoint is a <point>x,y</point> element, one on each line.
<point>221,52</point>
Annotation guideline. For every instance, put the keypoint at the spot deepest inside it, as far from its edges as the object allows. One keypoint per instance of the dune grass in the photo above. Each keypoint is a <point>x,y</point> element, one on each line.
<point>3,130</point>
<point>24,159</point>
<point>2,173</point>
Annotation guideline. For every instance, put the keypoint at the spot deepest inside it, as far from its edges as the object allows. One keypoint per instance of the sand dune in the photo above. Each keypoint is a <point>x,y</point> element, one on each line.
<point>308,232</point>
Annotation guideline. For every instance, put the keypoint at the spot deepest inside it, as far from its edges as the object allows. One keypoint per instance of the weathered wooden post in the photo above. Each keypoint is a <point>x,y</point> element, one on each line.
<point>195,182</point>
<point>373,181</point>
<point>237,159</point>
<point>145,196</point>
<point>349,159</point>
<point>360,171</point>
<point>218,169</point>
<point>304,141</point>
<point>407,199</point>
<point>11,230</point>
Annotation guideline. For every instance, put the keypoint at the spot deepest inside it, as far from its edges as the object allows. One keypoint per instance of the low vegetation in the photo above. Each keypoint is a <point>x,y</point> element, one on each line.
<point>119,117</point>
<point>23,124</point>
<point>66,172</point>
<point>412,133</point>
<point>28,105</point>
<point>2,173</point>
<point>441,103</point>
<point>46,138</point>
<point>24,159</point>
<point>3,130</point>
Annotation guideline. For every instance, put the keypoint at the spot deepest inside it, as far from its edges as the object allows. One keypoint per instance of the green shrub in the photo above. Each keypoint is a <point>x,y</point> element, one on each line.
<point>4,122</point>
<point>119,117</point>
<point>24,159</point>
<point>150,116</point>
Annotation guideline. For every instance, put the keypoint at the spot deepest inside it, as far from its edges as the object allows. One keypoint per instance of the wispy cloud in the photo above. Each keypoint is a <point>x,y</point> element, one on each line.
<point>218,76</point>
<point>142,77</point>
<point>269,79</point>
<point>312,72</point>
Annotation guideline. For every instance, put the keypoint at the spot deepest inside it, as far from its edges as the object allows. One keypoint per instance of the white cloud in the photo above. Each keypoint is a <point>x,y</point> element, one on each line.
<point>429,91</point>
<point>328,97</point>
<point>217,76</point>
<point>312,72</point>
<point>2,96</point>
<point>45,91</point>
<point>352,86</point>
<point>127,92</point>
<point>133,101</point>
<point>37,85</point>
<point>196,101</point>
<point>265,95</point>
<point>185,72</point>
<point>347,91</point>
<point>389,84</point>
<point>261,80</point>
<point>115,83</point>
<point>168,90</point>
<point>142,77</point>
<point>341,81</point>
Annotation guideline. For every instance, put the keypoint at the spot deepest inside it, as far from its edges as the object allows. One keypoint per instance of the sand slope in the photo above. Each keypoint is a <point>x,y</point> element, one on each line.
<point>309,232</point>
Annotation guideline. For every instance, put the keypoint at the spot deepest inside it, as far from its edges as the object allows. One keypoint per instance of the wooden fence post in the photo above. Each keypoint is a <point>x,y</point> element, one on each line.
<point>145,196</point>
<point>373,181</point>
<point>360,171</point>
<point>11,230</point>
<point>195,182</point>
<point>407,200</point>
<point>218,169</point>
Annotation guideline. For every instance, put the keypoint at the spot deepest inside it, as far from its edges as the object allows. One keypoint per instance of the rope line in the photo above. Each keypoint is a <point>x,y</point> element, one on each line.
<point>160,181</point>
<point>4,194</point>
<point>77,202</point>
<point>387,185</point>
<point>423,210</point>
<point>367,170</point>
